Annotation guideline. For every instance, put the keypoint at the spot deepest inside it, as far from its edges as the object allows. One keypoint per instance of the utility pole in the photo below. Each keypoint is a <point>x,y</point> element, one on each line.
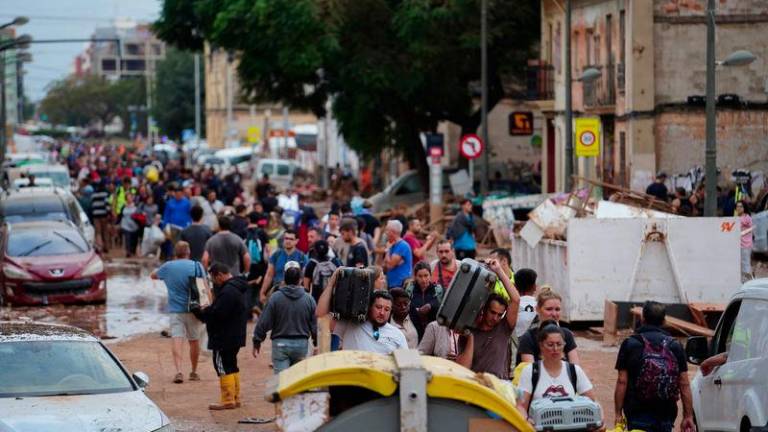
<point>147,81</point>
<point>710,155</point>
<point>197,97</point>
<point>568,101</point>
<point>285,132</point>
<point>228,134</point>
<point>484,95</point>
<point>3,136</point>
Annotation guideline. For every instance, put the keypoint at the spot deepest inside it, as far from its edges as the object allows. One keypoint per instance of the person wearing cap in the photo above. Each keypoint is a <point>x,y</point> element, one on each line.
<point>658,189</point>
<point>290,316</point>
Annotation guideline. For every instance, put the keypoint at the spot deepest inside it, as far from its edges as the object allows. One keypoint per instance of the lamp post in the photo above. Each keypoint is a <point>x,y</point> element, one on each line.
<point>737,58</point>
<point>484,93</point>
<point>21,41</point>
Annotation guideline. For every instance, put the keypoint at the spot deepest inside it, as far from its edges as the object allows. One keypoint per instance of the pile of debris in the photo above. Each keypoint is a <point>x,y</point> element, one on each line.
<point>550,218</point>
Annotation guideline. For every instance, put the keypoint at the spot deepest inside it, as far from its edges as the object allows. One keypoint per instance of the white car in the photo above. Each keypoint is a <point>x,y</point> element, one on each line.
<point>61,378</point>
<point>734,396</point>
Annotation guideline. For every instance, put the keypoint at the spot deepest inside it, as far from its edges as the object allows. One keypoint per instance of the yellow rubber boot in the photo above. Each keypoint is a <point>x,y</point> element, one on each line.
<point>237,389</point>
<point>227,384</point>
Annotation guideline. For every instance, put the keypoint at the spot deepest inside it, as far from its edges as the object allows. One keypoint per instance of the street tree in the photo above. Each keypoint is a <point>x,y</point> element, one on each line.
<point>81,101</point>
<point>174,107</point>
<point>392,69</point>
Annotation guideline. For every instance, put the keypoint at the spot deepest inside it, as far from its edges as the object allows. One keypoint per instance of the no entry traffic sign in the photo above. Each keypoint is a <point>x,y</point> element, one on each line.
<point>471,146</point>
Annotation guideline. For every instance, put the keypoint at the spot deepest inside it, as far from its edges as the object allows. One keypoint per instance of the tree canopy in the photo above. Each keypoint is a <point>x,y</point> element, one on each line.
<point>174,108</point>
<point>80,101</point>
<point>393,68</point>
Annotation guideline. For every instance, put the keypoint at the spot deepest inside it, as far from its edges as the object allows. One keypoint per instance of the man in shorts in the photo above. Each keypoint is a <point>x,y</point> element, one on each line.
<point>176,275</point>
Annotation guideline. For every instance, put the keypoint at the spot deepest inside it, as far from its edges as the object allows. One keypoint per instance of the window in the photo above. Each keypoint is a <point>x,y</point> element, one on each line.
<point>622,36</point>
<point>41,368</point>
<point>133,65</point>
<point>411,185</point>
<point>108,65</point>
<point>26,243</point>
<point>268,169</point>
<point>133,49</point>
<point>750,335</point>
<point>283,170</point>
<point>724,333</point>
<point>588,39</point>
<point>157,49</point>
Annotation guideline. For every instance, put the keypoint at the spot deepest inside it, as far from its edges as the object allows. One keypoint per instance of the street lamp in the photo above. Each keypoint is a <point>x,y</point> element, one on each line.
<point>18,21</point>
<point>737,58</point>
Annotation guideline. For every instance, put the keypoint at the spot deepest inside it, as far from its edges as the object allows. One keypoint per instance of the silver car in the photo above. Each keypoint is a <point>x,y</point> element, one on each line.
<point>61,378</point>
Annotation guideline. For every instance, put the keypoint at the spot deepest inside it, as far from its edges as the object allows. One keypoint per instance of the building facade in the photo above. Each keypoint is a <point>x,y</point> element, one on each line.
<point>125,49</point>
<point>232,125</point>
<point>649,96</point>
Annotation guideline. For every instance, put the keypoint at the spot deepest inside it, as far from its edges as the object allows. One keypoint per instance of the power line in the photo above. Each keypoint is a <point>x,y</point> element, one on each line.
<point>72,18</point>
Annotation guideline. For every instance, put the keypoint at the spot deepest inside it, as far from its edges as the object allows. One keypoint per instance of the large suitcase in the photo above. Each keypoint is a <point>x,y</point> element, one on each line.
<point>470,288</point>
<point>352,294</point>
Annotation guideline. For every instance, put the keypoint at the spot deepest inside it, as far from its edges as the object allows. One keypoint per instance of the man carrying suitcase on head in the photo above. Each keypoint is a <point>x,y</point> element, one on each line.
<point>376,334</point>
<point>486,348</point>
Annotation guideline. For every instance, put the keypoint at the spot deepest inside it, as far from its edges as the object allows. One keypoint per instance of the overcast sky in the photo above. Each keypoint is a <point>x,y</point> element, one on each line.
<point>66,19</point>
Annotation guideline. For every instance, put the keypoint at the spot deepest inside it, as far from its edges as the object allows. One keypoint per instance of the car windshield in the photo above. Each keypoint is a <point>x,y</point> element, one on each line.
<point>59,179</point>
<point>24,242</point>
<point>48,368</point>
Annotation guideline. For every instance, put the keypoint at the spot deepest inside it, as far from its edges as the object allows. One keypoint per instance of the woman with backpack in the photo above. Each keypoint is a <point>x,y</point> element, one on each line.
<point>425,297</point>
<point>319,269</point>
<point>551,376</point>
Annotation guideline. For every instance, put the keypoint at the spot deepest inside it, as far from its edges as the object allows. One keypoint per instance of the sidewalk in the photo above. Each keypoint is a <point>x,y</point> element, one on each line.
<point>187,404</point>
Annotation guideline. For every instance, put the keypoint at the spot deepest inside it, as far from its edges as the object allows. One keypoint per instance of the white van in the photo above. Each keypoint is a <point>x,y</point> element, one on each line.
<point>734,396</point>
<point>280,172</point>
<point>239,157</point>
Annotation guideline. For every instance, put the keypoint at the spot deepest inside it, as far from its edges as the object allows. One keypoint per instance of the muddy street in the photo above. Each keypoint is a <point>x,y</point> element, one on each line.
<point>135,304</point>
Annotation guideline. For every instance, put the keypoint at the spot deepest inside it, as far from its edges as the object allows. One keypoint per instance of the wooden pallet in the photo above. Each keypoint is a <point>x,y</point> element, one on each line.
<point>685,327</point>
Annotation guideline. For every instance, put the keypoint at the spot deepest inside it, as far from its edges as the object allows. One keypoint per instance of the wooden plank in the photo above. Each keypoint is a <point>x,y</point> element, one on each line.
<point>610,323</point>
<point>708,307</point>
<point>685,327</point>
<point>698,316</point>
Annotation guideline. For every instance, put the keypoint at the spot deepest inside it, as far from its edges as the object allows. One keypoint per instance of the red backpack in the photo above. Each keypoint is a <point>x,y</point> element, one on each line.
<point>659,372</point>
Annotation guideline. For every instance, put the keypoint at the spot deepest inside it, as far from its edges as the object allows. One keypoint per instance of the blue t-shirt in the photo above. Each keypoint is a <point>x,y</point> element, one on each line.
<point>397,276</point>
<point>280,258</point>
<point>176,276</point>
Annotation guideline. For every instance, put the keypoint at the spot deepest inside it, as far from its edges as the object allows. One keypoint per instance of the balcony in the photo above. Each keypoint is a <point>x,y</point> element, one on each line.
<point>600,92</point>
<point>540,79</point>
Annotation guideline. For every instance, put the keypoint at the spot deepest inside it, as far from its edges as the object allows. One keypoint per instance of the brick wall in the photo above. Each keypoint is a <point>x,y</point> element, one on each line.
<point>742,140</point>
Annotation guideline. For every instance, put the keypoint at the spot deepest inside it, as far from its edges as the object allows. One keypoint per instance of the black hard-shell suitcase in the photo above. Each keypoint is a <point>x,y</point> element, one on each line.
<point>352,294</point>
<point>470,288</point>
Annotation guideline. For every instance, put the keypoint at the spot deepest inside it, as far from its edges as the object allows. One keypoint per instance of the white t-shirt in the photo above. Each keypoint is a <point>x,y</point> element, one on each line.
<point>526,314</point>
<point>360,337</point>
<point>549,386</point>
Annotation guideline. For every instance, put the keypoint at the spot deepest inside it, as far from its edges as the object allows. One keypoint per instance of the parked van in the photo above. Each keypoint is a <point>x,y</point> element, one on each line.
<point>239,157</point>
<point>734,396</point>
<point>280,172</point>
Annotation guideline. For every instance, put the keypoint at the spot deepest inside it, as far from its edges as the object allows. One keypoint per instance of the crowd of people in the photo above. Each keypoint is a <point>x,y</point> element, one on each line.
<point>273,259</point>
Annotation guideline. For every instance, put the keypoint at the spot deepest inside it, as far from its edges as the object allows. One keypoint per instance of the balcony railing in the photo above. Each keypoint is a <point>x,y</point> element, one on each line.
<point>620,77</point>
<point>540,78</point>
<point>600,92</point>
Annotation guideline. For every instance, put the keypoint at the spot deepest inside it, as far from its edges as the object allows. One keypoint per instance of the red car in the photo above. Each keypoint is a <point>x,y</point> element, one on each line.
<point>48,262</point>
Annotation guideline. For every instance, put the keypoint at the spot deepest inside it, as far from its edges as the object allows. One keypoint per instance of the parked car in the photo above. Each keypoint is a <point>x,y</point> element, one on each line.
<point>406,190</point>
<point>280,172</point>
<point>42,203</point>
<point>58,174</point>
<point>61,378</point>
<point>49,262</point>
<point>734,396</point>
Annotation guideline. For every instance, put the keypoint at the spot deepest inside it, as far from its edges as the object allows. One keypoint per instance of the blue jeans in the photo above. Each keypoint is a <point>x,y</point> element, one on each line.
<point>649,423</point>
<point>288,352</point>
